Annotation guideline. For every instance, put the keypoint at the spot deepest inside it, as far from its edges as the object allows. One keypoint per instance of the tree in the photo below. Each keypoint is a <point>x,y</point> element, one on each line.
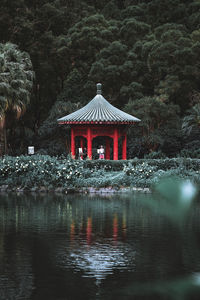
<point>171,55</point>
<point>54,139</point>
<point>166,11</point>
<point>192,120</point>
<point>16,80</point>
<point>137,49</point>
<point>122,69</point>
<point>86,38</point>
<point>159,128</point>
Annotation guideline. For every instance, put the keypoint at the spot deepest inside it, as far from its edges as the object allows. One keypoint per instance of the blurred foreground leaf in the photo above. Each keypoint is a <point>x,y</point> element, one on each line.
<point>176,289</point>
<point>173,199</point>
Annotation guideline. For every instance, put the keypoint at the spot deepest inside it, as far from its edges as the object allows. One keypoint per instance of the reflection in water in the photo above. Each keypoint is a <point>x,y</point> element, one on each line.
<point>97,257</point>
<point>63,247</point>
<point>89,230</point>
<point>72,230</point>
<point>101,260</point>
<point>115,227</point>
<point>15,284</point>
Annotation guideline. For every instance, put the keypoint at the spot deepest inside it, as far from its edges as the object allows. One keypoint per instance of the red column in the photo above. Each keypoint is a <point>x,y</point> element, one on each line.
<point>73,150</point>
<point>107,148</point>
<point>89,143</point>
<point>115,144</point>
<point>124,143</point>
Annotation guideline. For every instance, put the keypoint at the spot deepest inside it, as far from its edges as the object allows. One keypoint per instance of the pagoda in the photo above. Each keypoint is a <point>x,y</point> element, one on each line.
<point>99,119</point>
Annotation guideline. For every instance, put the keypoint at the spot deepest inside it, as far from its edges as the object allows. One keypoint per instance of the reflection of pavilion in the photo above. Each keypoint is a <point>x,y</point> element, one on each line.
<point>77,231</point>
<point>98,257</point>
<point>100,260</point>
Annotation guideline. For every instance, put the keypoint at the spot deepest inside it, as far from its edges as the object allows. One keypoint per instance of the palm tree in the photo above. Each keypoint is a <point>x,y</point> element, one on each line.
<point>16,80</point>
<point>192,120</point>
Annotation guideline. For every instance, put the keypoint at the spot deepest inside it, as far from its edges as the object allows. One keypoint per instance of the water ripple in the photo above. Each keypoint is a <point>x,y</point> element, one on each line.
<point>98,260</point>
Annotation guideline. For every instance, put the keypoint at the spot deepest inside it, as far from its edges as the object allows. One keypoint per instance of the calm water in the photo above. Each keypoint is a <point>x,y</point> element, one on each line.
<point>90,247</point>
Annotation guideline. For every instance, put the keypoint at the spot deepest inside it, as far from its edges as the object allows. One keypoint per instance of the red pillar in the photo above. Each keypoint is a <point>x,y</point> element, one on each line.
<point>124,143</point>
<point>73,150</point>
<point>107,148</point>
<point>115,144</point>
<point>89,143</point>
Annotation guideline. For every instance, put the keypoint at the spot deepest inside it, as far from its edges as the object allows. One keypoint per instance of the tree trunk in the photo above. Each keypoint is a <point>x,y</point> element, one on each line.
<point>3,141</point>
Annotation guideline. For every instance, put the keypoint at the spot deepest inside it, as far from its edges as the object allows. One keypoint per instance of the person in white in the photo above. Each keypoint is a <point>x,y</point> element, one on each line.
<point>80,150</point>
<point>101,152</point>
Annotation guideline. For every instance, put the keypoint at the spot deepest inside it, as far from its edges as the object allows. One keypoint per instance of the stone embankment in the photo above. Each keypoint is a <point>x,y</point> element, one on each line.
<point>84,190</point>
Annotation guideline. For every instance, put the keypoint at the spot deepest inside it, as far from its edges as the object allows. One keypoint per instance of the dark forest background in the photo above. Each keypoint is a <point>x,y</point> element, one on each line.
<point>146,54</point>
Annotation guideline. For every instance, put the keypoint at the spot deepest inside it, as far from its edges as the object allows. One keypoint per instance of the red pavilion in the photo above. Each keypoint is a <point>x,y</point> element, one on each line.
<point>96,119</point>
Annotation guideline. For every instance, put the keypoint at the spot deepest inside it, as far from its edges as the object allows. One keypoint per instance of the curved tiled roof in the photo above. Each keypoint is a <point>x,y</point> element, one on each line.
<point>98,111</point>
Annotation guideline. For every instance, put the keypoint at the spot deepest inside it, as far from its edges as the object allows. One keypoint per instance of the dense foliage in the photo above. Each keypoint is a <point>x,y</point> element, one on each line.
<point>16,80</point>
<point>145,53</point>
<point>44,173</point>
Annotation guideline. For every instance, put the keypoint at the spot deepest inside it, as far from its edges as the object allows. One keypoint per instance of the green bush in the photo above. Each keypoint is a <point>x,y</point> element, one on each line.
<point>190,153</point>
<point>34,172</point>
<point>146,173</point>
<point>107,165</point>
<point>164,164</point>
<point>154,155</point>
<point>39,170</point>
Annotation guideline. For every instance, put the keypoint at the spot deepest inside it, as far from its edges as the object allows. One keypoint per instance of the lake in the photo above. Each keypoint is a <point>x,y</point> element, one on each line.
<point>61,247</point>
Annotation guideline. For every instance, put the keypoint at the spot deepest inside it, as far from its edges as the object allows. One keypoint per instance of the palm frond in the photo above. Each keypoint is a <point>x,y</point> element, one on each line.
<point>2,120</point>
<point>16,79</point>
<point>4,88</point>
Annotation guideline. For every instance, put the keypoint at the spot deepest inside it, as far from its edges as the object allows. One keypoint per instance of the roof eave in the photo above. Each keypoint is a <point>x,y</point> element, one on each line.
<point>98,122</point>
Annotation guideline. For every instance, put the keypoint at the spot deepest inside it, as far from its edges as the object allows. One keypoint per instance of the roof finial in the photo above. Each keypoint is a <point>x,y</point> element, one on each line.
<point>99,88</point>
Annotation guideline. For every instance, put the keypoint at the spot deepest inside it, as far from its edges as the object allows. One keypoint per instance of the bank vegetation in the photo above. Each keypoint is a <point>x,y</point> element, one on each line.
<point>62,174</point>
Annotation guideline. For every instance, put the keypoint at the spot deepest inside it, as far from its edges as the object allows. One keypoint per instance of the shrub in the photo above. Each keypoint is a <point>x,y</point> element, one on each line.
<point>40,170</point>
<point>37,171</point>
<point>190,153</point>
<point>154,155</point>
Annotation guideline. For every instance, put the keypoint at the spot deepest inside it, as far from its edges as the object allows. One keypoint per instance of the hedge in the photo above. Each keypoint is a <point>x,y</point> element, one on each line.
<point>43,171</point>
